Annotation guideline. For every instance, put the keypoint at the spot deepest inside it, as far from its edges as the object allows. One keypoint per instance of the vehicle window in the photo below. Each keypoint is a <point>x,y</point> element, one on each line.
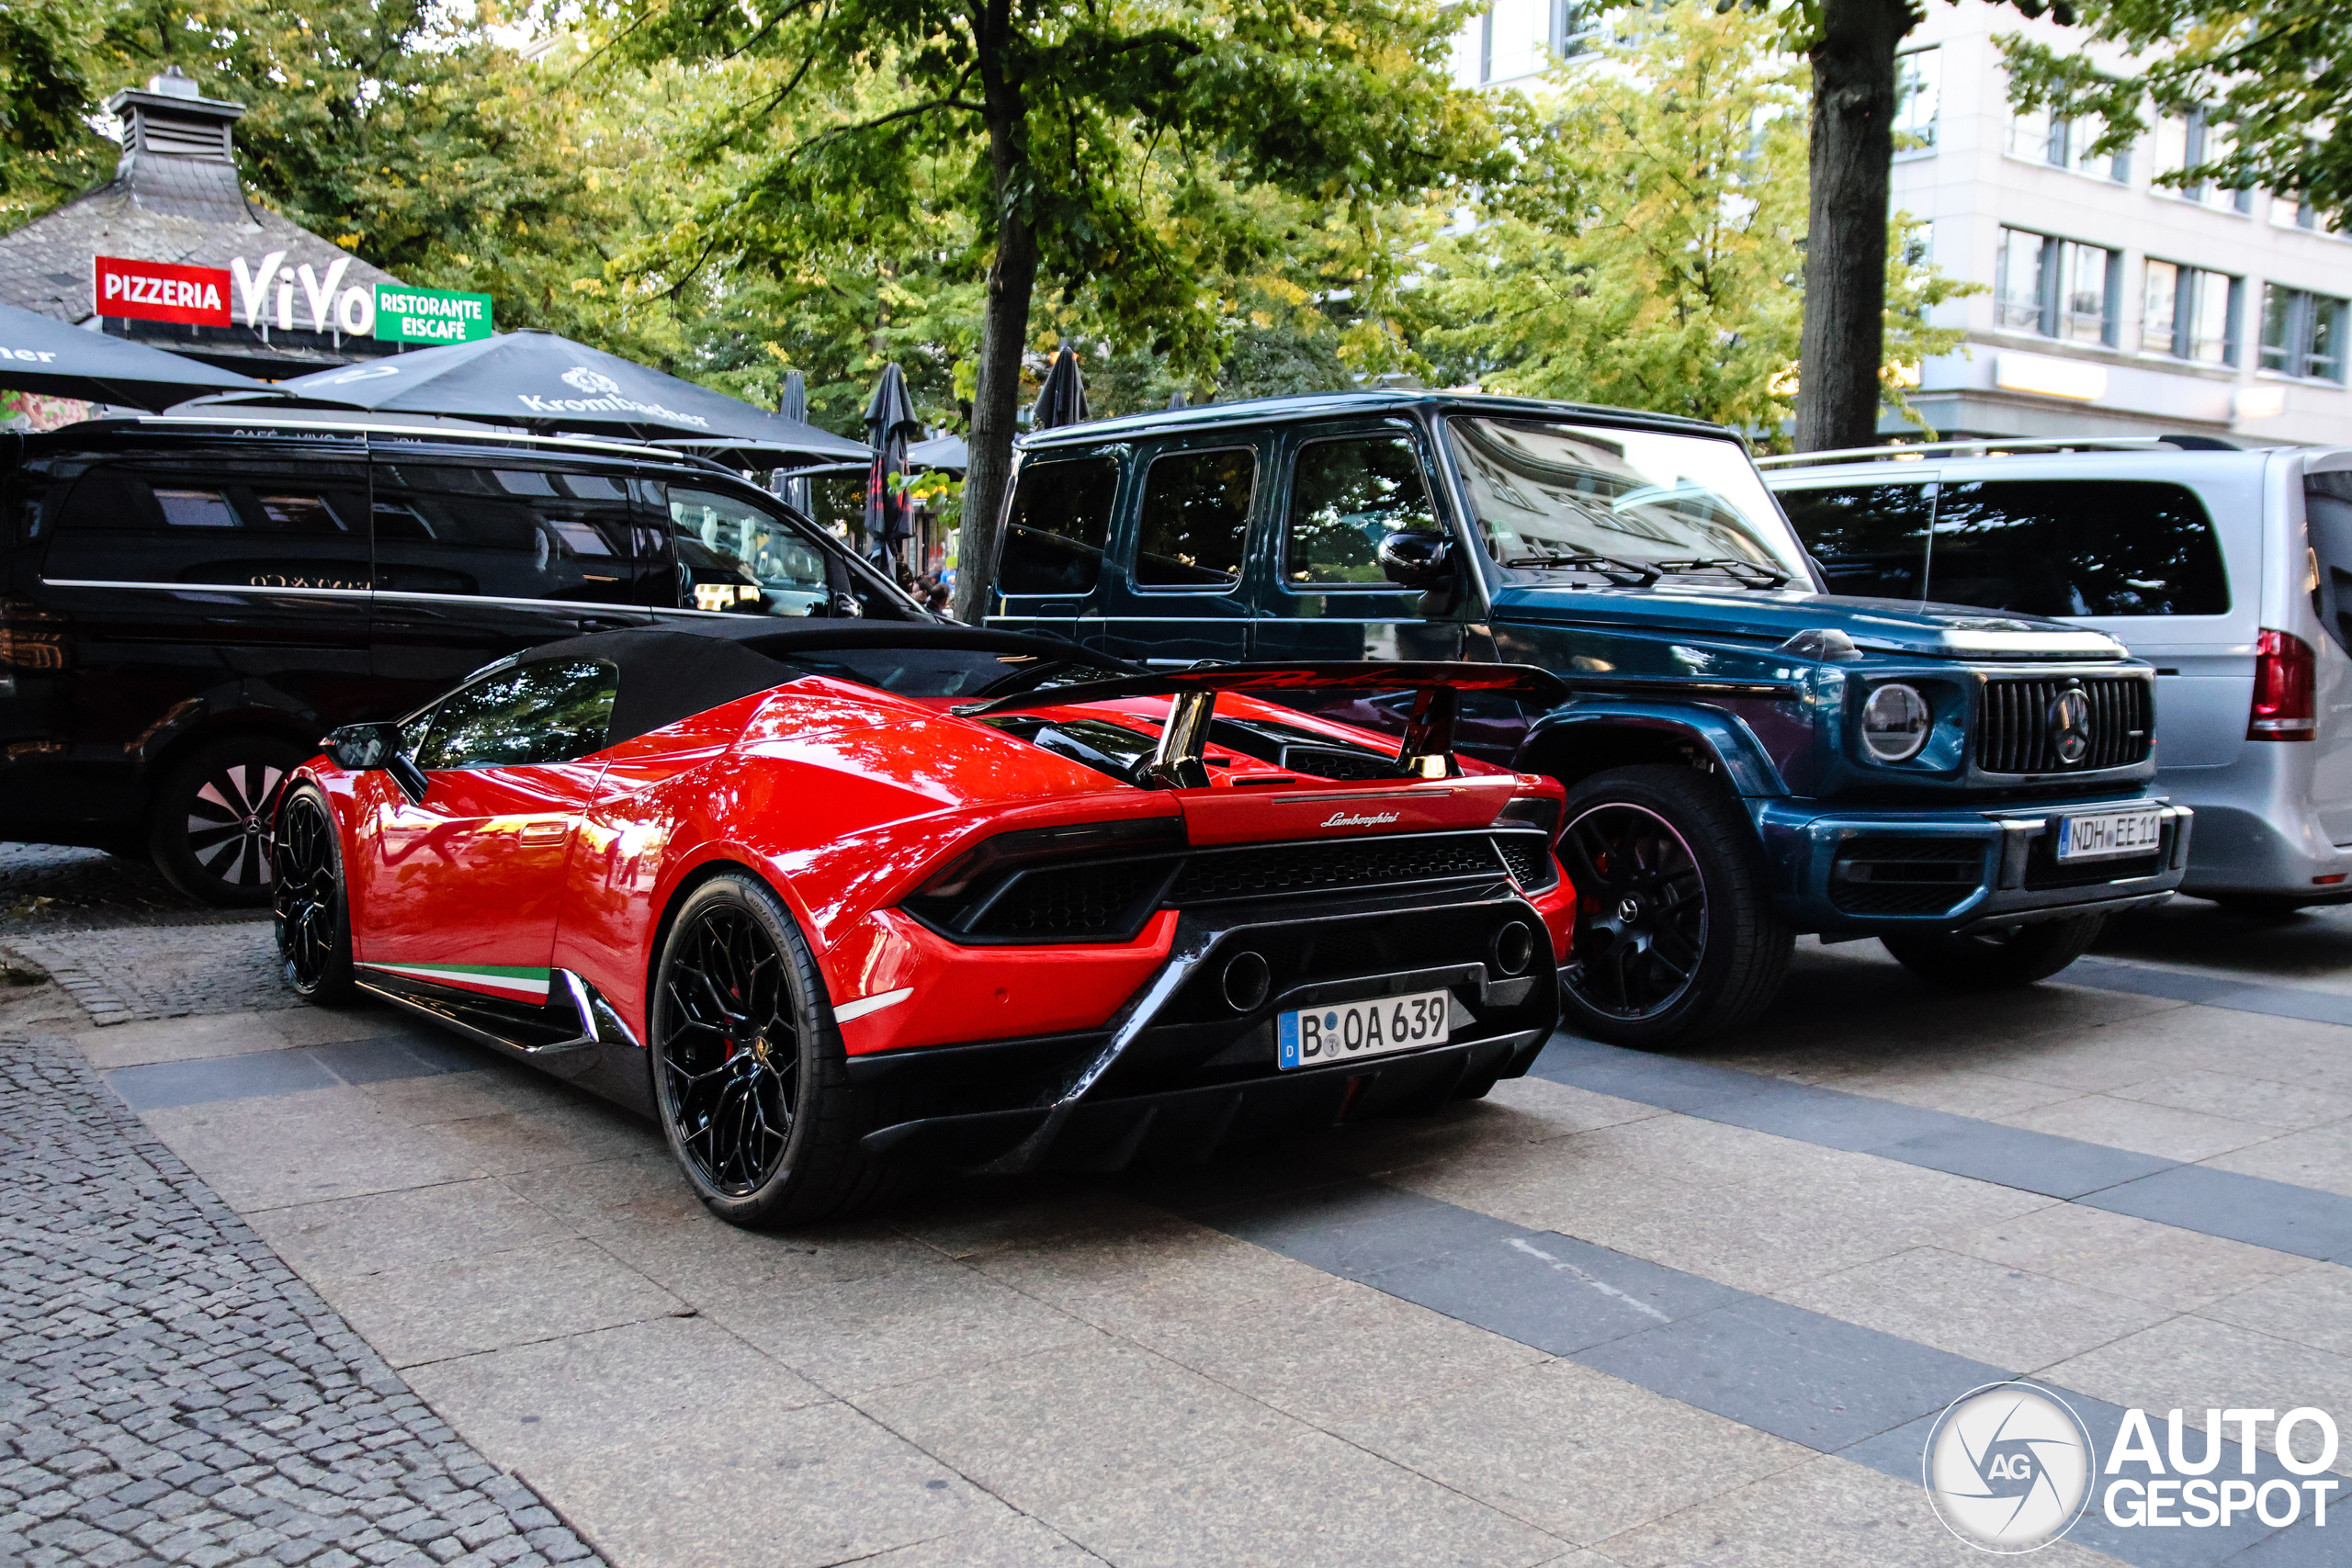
<point>1542,490</point>
<point>1055,532</point>
<point>504,533</point>
<point>1195,519</point>
<point>522,713</point>
<point>2328,513</point>
<point>739,557</point>
<point>1345,497</point>
<point>1870,540</point>
<point>297,527</point>
<point>2077,547</point>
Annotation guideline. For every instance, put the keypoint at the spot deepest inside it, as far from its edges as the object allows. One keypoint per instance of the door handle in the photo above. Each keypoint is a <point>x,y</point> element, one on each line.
<point>543,832</point>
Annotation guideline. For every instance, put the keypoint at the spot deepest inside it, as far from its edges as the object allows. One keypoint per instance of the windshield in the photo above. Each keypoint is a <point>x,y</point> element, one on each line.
<point>1544,491</point>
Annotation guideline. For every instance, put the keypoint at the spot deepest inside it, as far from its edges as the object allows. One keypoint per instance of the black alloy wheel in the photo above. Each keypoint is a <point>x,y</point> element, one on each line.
<point>749,1074</point>
<point>1675,936</point>
<point>309,907</point>
<point>731,1055</point>
<point>1641,911</point>
<point>212,817</point>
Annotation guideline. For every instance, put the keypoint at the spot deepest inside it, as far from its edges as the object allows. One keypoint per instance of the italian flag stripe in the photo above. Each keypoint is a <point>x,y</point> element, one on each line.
<point>504,980</point>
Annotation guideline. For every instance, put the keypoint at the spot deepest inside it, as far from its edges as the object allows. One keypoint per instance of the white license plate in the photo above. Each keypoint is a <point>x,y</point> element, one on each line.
<point>1318,1036</point>
<point>2109,836</point>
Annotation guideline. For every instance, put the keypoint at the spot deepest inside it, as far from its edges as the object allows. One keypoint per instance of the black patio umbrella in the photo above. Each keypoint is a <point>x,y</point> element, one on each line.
<point>889,422</point>
<point>1062,399</point>
<point>793,404</point>
<point>42,354</point>
<point>554,385</point>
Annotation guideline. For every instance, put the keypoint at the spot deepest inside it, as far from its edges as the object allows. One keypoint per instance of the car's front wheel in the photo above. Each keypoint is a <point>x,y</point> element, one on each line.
<point>749,1074</point>
<point>209,827</point>
<point>1675,938</point>
<point>309,907</point>
<point>1995,960</point>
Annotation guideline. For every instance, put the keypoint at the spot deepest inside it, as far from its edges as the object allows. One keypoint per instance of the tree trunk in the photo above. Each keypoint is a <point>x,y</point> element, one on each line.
<point>1845,255</point>
<point>1004,326</point>
<point>996,410</point>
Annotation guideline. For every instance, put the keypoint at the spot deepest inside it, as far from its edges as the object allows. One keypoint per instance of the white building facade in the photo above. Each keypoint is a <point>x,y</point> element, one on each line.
<point>2114,306</point>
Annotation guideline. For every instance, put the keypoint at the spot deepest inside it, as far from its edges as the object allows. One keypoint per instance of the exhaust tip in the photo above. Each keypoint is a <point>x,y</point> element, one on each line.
<point>1514,947</point>
<point>1249,979</point>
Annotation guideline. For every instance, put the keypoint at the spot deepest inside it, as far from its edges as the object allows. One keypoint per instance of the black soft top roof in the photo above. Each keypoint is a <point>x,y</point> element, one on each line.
<point>672,672</point>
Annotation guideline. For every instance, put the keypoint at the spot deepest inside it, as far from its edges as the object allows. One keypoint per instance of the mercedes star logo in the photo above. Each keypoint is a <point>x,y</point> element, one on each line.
<point>2070,725</point>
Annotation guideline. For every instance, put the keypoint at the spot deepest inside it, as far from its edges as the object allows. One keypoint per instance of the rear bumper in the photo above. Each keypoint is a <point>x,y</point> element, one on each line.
<point>1180,1072</point>
<point>1867,874</point>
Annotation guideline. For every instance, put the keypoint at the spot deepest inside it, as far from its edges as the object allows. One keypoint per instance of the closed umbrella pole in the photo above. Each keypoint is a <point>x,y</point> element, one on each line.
<point>890,423</point>
<point>1062,399</point>
<point>793,404</point>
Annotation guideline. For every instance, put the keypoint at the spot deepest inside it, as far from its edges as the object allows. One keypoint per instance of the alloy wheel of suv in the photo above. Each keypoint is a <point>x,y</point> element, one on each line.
<point>1675,938</point>
<point>214,815</point>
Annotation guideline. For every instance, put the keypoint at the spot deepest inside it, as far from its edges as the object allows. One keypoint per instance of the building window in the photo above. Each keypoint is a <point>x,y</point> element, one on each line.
<point>1918,100</point>
<point>2035,137</point>
<point>2191,313</point>
<point>2302,333</point>
<point>2056,288</point>
<point>2185,141</point>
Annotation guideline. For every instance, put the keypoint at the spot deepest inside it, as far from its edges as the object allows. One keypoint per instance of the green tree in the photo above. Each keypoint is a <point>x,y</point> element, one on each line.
<point>1052,121</point>
<point>1653,255</point>
<point>1850,45</point>
<point>2276,75</point>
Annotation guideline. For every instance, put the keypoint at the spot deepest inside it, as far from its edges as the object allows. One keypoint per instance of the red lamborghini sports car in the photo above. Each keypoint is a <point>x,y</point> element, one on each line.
<point>838,903</point>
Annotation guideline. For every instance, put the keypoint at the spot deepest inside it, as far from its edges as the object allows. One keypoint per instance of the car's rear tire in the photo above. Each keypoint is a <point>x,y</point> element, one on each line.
<point>208,826</point>
<point>310,903</point>
<point>750,1078</point>
<point>1675,940</point>
<point>1996,960</point>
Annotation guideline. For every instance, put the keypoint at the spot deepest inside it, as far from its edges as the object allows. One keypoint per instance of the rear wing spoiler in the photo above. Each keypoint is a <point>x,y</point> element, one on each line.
<point>1428,747</point>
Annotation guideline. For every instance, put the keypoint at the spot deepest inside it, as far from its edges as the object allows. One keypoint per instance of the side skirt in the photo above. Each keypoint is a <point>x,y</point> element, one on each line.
<point>575,1034</point>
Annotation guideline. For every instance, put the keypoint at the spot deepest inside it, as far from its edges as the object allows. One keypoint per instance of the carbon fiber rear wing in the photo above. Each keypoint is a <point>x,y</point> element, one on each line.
<point>1428,747</point>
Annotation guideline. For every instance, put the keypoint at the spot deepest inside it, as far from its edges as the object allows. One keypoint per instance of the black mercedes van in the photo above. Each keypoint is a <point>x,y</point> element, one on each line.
<point>187,604</point>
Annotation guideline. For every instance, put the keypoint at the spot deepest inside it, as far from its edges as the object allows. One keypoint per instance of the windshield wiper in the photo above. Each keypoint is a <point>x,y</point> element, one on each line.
<point>1623,573</point>
<point>1753,574</point>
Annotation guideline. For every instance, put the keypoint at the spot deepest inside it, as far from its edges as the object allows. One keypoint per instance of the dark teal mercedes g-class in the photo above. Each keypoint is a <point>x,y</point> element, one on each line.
<point>1749,757</point>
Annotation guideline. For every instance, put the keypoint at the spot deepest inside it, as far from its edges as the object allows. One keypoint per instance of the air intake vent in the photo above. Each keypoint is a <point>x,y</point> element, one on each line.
<point>2018,732</point>
<point>1906,877</point>
<point>182,137</point>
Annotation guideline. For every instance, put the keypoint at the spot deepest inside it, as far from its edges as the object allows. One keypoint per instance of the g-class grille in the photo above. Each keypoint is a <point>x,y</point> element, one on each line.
<point>2018,732</point>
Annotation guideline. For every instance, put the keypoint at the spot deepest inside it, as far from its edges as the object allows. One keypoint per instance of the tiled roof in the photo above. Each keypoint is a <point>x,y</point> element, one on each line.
<point>45,265</point>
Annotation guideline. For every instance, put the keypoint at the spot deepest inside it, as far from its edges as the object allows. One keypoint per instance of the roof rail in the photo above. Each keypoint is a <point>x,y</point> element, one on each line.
<point>1913,451</point>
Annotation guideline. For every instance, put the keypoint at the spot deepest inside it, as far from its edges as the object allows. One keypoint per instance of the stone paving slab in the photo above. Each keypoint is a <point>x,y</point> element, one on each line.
<point>171,1392</point>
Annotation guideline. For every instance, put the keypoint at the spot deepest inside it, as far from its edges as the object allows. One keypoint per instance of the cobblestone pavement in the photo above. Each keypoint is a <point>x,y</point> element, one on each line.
<point>127,946</point>
<point>171,1392</point>
<point>128,974</point>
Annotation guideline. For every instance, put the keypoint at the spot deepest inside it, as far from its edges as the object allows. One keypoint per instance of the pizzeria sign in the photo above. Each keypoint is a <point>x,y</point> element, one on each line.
<point>289,298</point>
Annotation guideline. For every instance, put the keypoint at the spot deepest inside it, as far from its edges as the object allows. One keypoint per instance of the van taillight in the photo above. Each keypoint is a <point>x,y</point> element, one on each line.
<point>2285,671</point>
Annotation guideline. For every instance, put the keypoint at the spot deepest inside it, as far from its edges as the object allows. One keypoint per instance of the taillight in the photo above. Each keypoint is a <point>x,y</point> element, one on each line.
<point>2285,674</point>
<point>1532,811</point>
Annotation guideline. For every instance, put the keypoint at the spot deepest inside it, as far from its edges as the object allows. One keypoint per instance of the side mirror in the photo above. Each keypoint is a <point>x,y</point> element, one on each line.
<point>374,747</point>
<point>1416,560</point>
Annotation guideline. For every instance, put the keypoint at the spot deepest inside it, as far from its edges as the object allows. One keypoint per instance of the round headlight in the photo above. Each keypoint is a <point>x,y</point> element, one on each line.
<point>1895,721</point>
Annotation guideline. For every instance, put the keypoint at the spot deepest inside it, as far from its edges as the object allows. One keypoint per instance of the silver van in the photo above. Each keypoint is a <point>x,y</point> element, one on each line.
<point>2229,571</point>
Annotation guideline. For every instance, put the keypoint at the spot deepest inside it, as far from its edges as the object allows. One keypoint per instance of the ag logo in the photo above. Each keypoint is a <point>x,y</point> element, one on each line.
<point>2070,725</point>
<point>595,383</point>
<point>2008,1467</point>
